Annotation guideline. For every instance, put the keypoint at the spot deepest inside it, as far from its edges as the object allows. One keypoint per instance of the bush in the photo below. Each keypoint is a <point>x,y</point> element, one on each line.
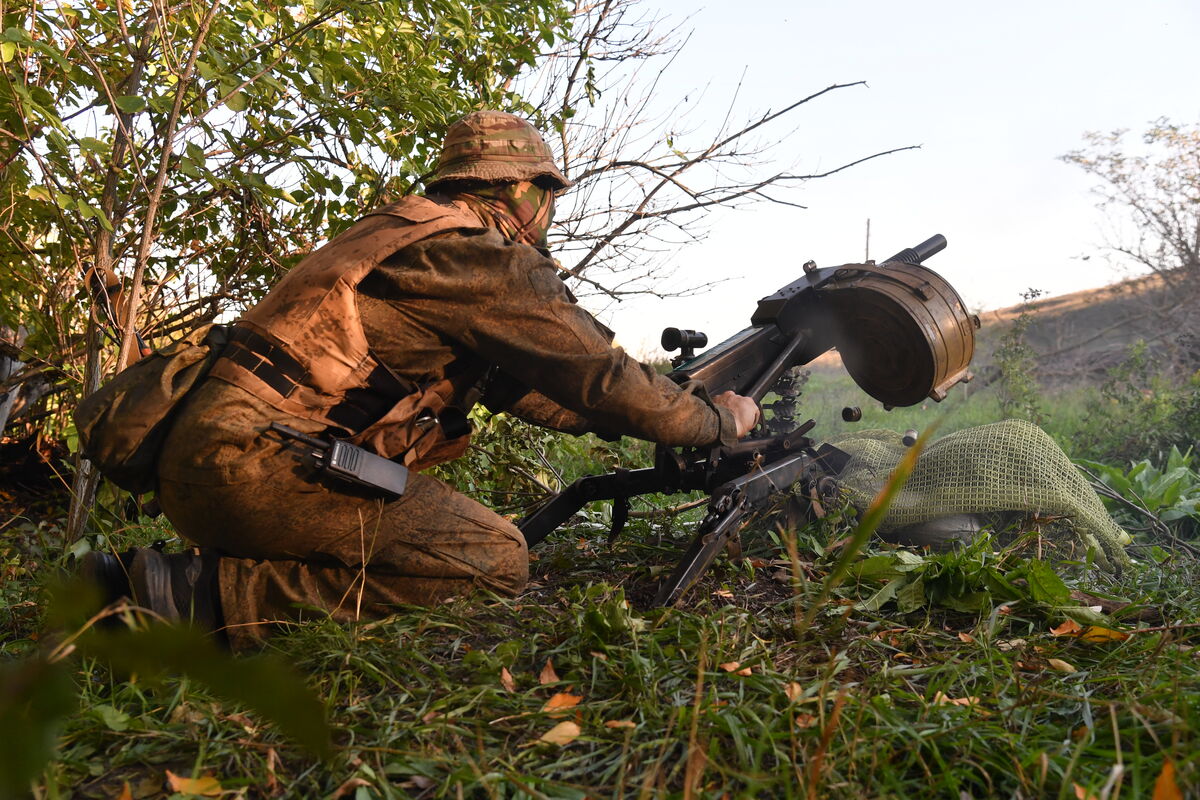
<point>1140,411</point>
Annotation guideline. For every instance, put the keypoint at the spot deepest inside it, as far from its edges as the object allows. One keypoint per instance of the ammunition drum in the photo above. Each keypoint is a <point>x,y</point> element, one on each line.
<point>903,332</point>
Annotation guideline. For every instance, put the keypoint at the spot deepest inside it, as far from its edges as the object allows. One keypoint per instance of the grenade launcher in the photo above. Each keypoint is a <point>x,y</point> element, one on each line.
<point>903,334</point>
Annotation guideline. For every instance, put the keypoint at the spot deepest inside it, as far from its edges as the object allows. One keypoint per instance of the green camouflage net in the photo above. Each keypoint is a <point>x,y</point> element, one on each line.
<point>1002,467</point>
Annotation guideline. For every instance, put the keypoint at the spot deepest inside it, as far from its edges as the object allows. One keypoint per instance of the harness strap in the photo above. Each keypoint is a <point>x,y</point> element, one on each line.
<point>274,366</point>
<point>267,361</point>
<point>362,407</point>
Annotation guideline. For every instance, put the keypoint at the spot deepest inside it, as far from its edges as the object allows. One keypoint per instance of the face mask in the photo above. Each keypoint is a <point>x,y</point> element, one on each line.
<point>521,211</point>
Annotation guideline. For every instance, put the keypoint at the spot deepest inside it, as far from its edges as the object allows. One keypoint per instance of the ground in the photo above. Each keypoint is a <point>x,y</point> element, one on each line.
<point>576,689</point>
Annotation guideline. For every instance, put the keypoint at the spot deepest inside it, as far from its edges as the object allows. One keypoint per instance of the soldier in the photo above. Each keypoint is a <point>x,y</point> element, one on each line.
<point>387,336</point>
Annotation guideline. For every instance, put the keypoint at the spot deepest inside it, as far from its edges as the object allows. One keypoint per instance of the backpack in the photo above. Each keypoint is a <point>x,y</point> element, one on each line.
<point>123,424</point>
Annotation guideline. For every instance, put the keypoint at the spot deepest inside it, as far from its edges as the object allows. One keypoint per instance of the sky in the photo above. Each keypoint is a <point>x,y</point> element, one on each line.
<point>993,93</point>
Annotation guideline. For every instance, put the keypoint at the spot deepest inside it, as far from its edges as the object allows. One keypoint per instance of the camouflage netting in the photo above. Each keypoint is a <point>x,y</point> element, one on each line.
<point>1002,467</point>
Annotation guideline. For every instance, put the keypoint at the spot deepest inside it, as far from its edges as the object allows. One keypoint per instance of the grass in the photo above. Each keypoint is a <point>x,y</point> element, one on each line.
<point>931,702</point>
<point>919,675</point>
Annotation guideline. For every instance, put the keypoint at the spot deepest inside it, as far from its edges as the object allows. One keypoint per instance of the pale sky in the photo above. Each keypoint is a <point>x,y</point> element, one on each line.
<point>993,92</point>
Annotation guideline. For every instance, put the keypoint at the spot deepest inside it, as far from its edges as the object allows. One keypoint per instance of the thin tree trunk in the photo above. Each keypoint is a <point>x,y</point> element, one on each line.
<point>125,356</point>
<point>87,477</point>
<point>8,366</point>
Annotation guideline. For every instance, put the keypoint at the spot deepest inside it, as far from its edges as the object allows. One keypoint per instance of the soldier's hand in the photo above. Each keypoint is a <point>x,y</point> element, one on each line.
<point>745,411</point>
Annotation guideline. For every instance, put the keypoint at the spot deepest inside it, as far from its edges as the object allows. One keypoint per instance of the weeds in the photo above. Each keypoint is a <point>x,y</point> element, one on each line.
<point>918,674</point>
<point>946,694</point>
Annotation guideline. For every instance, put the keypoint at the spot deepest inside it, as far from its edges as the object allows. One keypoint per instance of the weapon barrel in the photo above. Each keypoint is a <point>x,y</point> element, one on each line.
<point>915,255</point>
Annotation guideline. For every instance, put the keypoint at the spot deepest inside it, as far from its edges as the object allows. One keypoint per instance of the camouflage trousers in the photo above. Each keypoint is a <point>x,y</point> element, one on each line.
<point>294,545</point>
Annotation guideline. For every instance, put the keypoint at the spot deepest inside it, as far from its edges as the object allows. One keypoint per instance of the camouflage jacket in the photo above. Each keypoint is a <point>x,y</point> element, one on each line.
<point>489,320</point>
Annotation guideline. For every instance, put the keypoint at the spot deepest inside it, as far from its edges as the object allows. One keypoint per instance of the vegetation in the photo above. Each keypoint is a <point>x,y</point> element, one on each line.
<point>976,673</point>
<point>991,671</point>
<point>162,169</point>
<point>1151,191</point>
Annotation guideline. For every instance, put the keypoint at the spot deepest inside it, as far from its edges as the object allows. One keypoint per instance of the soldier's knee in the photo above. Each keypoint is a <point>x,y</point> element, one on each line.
<point>512,564</point>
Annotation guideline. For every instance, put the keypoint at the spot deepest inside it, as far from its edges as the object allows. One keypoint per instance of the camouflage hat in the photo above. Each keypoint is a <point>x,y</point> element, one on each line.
<point>495,147</point>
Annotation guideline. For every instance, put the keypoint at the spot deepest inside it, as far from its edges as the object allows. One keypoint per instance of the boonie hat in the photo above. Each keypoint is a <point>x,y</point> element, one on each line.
<point>495,147</point>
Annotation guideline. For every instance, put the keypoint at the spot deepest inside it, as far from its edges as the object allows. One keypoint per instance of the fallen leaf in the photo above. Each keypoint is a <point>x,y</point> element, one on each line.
<point>736,668</point>
<point>185,712</point>
<point>348,786</point>
<point>1068,628</point>
<point>805,720</point>
<point>793,690</point>
<point>548,674</point>
<point>725,593</point>
<point>1082,793</point>
<point>273,788</point>
<point>1165,786</point>
<point>506,680</point>
<point>598,654</point>
<point>1060,665</point>
<point>562,700</point>
<point>1004,609</point>
<point>561,734</point>
<point>206,786</point>
<point>966,638</point>
<point>620,723</point>
<point>241,719</point>
<point>126,792</point>
<point>430,716</point>
<point>1010,644</point>
<point>1096,634</point>
<point>942,699</point>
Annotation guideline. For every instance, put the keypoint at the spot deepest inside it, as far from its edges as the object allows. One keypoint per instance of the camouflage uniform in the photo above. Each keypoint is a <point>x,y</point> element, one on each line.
<point>470,312</point>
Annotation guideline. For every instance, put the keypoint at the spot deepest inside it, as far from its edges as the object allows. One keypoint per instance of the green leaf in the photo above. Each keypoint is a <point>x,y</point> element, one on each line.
<point>875,566</point>
<point>970,603</point>
<point>1044,584</point>
<point>911,597</point>
<point>263,684</point>
<point>7,51</point>
<point>130,104</point>
<point>35,697</point>
<point>906,560</point>
<point>238,101</point>
<point>111,717</point>
<point>92,144</point>
<point>1084,614</point>
<point>881,597</point>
